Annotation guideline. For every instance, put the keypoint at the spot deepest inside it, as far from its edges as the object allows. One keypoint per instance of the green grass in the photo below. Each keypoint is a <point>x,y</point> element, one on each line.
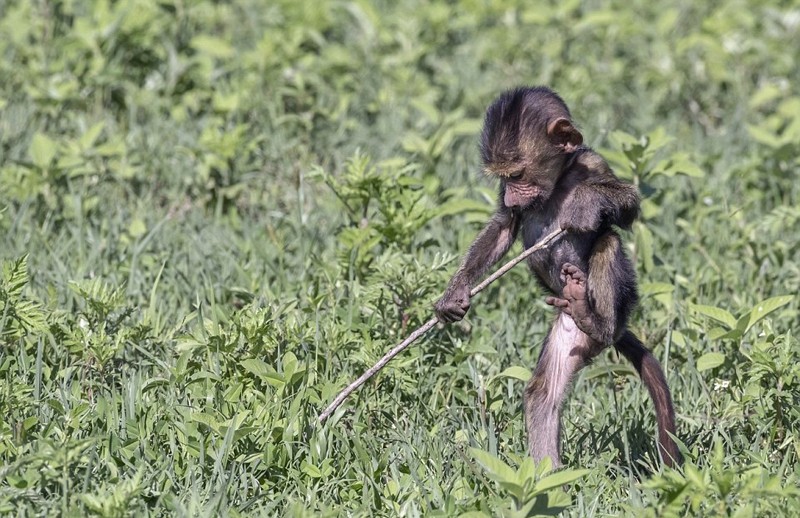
<point>215,215</point>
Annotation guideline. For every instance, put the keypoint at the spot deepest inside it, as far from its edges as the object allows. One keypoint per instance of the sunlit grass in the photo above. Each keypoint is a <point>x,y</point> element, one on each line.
<point>215,215</point>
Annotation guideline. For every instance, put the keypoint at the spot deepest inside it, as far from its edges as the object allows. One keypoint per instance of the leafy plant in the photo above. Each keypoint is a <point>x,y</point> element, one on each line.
<point>535,490</point>
<point>19,316</point>
<point>718,489</point>
<point>214,215</point>
<point>734,328</point>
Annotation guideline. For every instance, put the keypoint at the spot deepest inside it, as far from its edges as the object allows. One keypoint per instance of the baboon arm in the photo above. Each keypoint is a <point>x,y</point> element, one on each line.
<point>489,247</point>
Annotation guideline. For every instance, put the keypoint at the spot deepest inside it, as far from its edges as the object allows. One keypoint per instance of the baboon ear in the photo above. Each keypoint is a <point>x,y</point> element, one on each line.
<point>562,133</point>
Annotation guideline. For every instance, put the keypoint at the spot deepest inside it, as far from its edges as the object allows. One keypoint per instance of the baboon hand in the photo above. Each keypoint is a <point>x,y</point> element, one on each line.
<point>454,304</point>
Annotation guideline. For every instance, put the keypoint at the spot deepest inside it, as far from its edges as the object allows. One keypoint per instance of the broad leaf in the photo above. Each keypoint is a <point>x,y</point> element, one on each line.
<point>515,371</point>
<point>710,361</point>
<point>257,367</point>
<point>559,478</point>
<point>655,288</point>
<point>42,150</point>
<point>461,205</point>
<point>762,309</point>
<point>495,468</point>
<point>718,314</point>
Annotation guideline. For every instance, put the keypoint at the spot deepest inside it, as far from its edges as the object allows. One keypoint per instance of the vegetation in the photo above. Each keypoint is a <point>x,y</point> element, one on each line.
<point>214,215</point>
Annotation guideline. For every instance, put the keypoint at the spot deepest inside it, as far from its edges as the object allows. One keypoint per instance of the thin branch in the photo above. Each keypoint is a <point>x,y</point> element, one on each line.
<point>397,349</point>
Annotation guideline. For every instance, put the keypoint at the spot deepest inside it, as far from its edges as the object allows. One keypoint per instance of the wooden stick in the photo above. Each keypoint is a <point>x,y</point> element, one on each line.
<point>397,349</point>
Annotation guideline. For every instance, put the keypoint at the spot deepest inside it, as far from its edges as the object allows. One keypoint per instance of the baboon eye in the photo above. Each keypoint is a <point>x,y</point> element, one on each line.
<point>516,176</point>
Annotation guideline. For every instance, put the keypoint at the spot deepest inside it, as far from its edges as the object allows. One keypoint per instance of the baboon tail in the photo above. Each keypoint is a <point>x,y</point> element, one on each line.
<point>653,377</point>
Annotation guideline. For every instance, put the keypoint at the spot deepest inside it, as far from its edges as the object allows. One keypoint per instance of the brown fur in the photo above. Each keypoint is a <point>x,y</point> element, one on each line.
<point>549,180</point>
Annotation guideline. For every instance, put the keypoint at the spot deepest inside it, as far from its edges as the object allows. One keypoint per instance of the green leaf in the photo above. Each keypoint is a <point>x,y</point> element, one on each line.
<point>560,478</point>
<point>621,139</point>
<point>414,143</point>
<point>459,206</point>
<point>688,168</point>
<point>428,110</point>
<point>764,95</point>
<point>650,209</point>
<point>214,47</point>
<point>88,139</point>
<point>678,163</point>
<point>42,150</point>
<point>516,490</point>
<point>644,246</point>
<point>153,383</point>
<point>762,136</point>
<point>764,308</point>
<point>655,288</point>
<point>710,361</point>
<point>310,470</point>
<point>718,314</point>
<point>527,469</point>
<point>495,468</point>
<point>657,139</point>
<point>257,367</point>
<point>137,228</point>
<point>467,127</point>
<point>516,372</point>
<point>717,332</point>
<point>207,419</point>
<point>694,476</point>
<point>289,364</point>
<point>551,503</point>
<point>618,369</point>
